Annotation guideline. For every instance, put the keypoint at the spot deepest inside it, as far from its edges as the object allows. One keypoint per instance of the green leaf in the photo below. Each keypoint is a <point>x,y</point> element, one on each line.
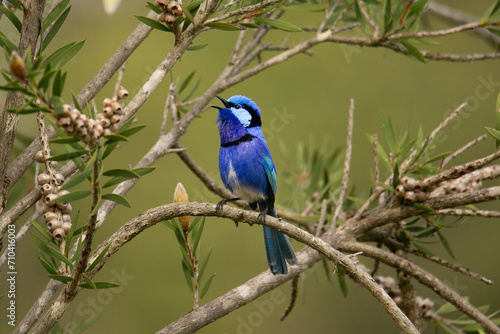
<point>54,13</point>
<point>497,119</point>
<point>422,207</point>
<point>99,285</point>
<point>68,156</point>
<point>446,308</point>
<point>188,274</point>
<point>206,286</point>
<point>196,47</point>
<point>286,26</point>
<point>133,130</point>
<point>222,26</point>
<point>140,171</point>
<point>62,278</point>
<point>126,173</point>
<point>153,24</point>
<point>55,28</point>
<point>493,132</point>
<point>188,14</point>
<point>12,18</point>
<point>196,236</point>
<point>414,51</point>
<point>186,82</point>
<point>387,16</point>
<point>154,8</point>
<point>64,140</point>
<point>76,180</point>
<point>73,196</point>
<point>98,258</point>
<point>57,255</point>
<point>89,284</point>
<point>40,243</point>
<point>113,138</point>
<point>422,249</point>
<point>342,282</point>
<point>194,4</point>
<point>179,235</point>
<point>62,55</point>
<point>40,229</point>
<point>7,44</point>
<point>50,269</point>
<point>144,170</point>
<point>118,199</point>
<point>437,157</point>
<point>16,4</point>
<point>446,244</point>
<point>203,264</point>
<point>58,84</point>
<point>26,111</point>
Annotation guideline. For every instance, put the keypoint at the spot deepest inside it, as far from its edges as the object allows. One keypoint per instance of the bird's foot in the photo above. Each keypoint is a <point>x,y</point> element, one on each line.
<point>262,216</point>
<point>220,204</point>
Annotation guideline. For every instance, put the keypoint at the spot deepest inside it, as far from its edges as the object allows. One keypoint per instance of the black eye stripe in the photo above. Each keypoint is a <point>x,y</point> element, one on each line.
<point>256,120</point>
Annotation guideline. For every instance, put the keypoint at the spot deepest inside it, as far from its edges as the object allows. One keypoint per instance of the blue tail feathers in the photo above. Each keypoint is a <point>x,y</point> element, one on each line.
<point>279,251</point>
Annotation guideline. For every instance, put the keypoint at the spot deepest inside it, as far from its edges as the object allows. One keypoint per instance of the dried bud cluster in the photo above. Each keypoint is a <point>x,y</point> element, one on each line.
<point>170,11</point>
<point>409,190</point>
<point>17,66</point>
<point>88,130</point>
<point>56,214</point>
<point>392,288</point>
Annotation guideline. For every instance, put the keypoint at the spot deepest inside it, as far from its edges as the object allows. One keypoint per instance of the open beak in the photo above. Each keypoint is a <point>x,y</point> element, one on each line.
<point>226,104</point>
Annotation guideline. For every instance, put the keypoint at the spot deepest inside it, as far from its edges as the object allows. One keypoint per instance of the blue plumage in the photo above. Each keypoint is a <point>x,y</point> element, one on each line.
<point>247,170</point>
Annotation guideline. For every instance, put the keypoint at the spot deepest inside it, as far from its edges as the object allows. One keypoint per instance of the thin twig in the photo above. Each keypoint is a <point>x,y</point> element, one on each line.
<point>293,297</point>
<point>347,166</point>
<point>462,150</point>
<point>322,218</point>
<point>119,78</point>
<point>467,212</point>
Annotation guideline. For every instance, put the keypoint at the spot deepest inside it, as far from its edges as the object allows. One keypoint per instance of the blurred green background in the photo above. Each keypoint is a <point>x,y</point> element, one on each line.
<point>314,93</point>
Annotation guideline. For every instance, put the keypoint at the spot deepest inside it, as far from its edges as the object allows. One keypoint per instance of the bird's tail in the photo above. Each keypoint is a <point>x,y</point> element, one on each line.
<point>279,250</point>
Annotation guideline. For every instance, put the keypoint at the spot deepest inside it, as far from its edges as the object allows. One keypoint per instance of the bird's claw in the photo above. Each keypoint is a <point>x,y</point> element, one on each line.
<point>262,216</point>
<point>218,207</point>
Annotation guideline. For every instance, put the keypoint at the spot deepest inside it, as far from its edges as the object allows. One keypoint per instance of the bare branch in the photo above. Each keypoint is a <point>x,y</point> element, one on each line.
<point>462,150</point>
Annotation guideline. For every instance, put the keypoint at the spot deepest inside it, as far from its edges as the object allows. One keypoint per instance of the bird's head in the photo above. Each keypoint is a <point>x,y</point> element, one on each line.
<point>241,107</point>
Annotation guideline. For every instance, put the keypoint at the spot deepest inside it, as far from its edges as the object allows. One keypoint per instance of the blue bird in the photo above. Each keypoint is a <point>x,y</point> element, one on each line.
<point>247,170</point>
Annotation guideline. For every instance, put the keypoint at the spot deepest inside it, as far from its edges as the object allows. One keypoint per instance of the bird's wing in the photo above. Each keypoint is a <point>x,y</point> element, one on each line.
<point>271,173</point>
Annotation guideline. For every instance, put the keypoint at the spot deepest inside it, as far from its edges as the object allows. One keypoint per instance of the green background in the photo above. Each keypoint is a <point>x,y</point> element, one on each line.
<point>315,92</point>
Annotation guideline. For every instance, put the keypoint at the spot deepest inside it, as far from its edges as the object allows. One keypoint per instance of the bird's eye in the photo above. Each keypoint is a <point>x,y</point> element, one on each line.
<point>237,106</point>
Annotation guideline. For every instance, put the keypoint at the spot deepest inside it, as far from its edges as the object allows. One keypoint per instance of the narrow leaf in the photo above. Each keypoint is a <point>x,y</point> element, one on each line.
<point>57,255</point>
<point>446,244</point>
<point>342,282</point>
<point>118,199</point>
<point>40,243</point>
<point>206,286</point>
<point>98,258</point>
<point>196,47</point>
<point>55,13</point>
<point>187,270</point>
<point>73,196</point>
<point>55,28</point>
<point>122,173</point>
<point>188,14</point>
<point>61,278</point>
<point>154,8</point>
<point>12,18</point>
<point>64,140</point>
<point>153,24</point>
<point>88,283</point>
<point>286,26</point>
<point>40,229</point>
<point>76,180</point>
<point>197,235</point>
<point>68,156</point>
<point>493,132</point>
<point>222,26</point>
<point>101,285</point>
<point>133,130</point>
<point>414,51</point>
<point>186,81</point>
<point>50,269</point>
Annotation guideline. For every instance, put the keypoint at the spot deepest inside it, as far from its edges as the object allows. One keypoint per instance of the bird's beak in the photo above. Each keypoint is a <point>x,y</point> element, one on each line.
<point>226,104</point>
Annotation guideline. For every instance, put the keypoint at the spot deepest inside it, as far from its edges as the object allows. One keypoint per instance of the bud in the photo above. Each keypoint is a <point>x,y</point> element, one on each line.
<point>174,8</point>
<point>180,195</point>
<point>169,19</point>
<point>17,66</point>
<point>122,93</point>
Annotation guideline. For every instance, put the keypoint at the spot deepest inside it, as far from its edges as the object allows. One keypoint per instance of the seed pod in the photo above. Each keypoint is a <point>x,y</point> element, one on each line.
<point>169,19</point>
<point>408,183</point>
<point>106,102</point>
<point>54,224</point>
<point>399,191</point>
<point>47,188</point>
<point>113,127</point>
<point>66,218</point>
<point>49,199</point>
<point>107,132</point>
<point>48,216</point>
<point>53,164</point>
<point>59,234</point>
<point>115,119</point>
<point>174,8</point>
<point>409,197</point>
<point>99,129</point>
<point>74,115</point>
<point>59,179</point>
<point>117,107</point>
<point>66,111</point>
<point>420,196</point>
<point>39,156</point>
<point>122,93</point>
<point>17,66</point>
<point>64,121</point>
<point>162,4</point>
<point>66,227</point>
<point>67,210</point>
<point>43,178</point>
<point>105,123</point>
